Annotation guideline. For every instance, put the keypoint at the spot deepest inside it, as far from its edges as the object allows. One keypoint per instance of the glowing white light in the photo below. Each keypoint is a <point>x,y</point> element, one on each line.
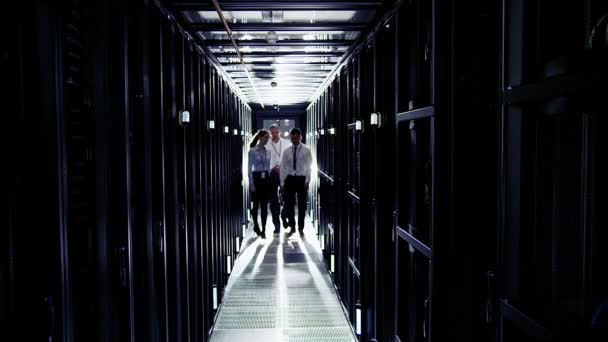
<point>315,48</point>
<point>228,264</point>
<point>226,129</point>
<point>211,124</point>
<point>322,131</point>
<point>332,131</point>
<point>322,241</point>
<point>358,125</point>
<point>184,116</point>
<point>286,134</point>
<point>235,132</point>
<point>332,263</point>
<point>247,37</point>
<point>358,319</point>
<point>237,241</point>
<point>244,229</point>
<point>308,37</point>
<point>214,297</point>
<point>373,120</point>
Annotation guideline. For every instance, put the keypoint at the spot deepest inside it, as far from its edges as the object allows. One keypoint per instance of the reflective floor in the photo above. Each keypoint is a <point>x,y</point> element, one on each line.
<point>280,290</point>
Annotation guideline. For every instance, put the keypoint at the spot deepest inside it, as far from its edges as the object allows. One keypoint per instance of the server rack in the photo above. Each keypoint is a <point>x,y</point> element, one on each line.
<point>551,113</point>
<point>117,198</point>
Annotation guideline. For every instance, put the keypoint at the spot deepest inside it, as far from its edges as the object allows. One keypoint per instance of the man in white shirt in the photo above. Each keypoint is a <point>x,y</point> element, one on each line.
<point>296,164</point>
<point>276,145</point>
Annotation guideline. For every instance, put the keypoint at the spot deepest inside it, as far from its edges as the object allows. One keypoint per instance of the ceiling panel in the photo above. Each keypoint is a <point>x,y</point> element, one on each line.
<point>295,44</point>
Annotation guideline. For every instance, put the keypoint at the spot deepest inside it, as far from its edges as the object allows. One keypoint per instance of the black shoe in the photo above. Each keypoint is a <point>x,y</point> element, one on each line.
<point>257,230</point>
<point>277,230</point>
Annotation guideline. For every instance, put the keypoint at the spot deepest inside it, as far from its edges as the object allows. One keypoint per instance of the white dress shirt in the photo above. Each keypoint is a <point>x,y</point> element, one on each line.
<point>259,160</point>
<point>276,150</point>
<point>303,162</point>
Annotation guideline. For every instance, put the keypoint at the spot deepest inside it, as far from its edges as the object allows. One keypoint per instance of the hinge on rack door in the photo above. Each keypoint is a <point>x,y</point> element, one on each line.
<point>489,307</point>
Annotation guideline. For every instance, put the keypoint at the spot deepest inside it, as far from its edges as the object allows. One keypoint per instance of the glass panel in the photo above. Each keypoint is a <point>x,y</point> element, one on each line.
<point>285,124</point>
<point>547,248</point>
<point>414,179</point>
<point>412,293</point>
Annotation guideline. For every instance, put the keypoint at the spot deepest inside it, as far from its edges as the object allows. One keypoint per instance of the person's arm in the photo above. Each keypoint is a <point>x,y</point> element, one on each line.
<point>284,166</point>
<point>249,170</point>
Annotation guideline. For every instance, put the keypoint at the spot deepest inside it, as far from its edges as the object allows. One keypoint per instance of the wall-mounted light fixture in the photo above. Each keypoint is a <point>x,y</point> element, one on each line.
<point>332,263</point>
<point>332,131</point>
<point>358,125</point>
<point>237,241</point>
<point>244,230</point>
<point>228,264</point>
<point>358,313</point>
<point>226,129</point>
<point>322,131</point>
<point>211,125</point>
<point>184,118</point>
<point>375,119</point>
<point>235,132</point>
<point>322,241</point>
<point>214,295</point>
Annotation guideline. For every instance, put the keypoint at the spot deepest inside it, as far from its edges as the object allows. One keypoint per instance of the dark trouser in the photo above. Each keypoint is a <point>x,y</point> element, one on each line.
<point>295,187</point>
<point>260,198</point>
<point>275,206</point>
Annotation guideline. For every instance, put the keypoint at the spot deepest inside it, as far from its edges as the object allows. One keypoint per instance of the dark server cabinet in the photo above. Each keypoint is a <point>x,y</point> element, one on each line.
<point>351,198</point>
<point>553,77</point>
<point>120,217</point>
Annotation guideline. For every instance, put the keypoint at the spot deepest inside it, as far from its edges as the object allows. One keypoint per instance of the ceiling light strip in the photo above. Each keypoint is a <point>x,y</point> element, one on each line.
<point>218,9</point>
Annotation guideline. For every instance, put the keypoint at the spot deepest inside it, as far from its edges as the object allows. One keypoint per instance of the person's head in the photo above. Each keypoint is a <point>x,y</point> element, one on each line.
<point>261,137</point>
<point>296,136</point>
<point>275,132</point>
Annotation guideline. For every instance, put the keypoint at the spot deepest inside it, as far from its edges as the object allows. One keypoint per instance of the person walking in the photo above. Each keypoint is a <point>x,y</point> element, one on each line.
<point>296,165</point>
<point>276,145</point>
<point>259,178</point>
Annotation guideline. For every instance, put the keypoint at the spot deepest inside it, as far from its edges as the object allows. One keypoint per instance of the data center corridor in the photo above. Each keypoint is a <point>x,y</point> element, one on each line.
<point>280,290</point>
<point>454,185</point>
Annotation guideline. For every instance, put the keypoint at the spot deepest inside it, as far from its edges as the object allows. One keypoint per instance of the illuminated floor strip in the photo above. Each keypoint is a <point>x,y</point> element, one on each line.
<point>280,290</point>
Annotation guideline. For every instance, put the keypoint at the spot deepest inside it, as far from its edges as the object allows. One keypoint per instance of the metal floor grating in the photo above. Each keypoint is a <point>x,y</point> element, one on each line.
<point>316,316</point>
<point>316,334</point>
<point>244,317</point>
<point>280,290</point>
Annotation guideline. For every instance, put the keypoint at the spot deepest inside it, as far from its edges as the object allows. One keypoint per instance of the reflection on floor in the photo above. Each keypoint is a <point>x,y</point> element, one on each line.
<point>280,290</point>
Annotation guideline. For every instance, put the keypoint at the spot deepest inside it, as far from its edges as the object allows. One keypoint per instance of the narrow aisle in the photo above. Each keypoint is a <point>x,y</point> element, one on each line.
<point>280,290</point>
